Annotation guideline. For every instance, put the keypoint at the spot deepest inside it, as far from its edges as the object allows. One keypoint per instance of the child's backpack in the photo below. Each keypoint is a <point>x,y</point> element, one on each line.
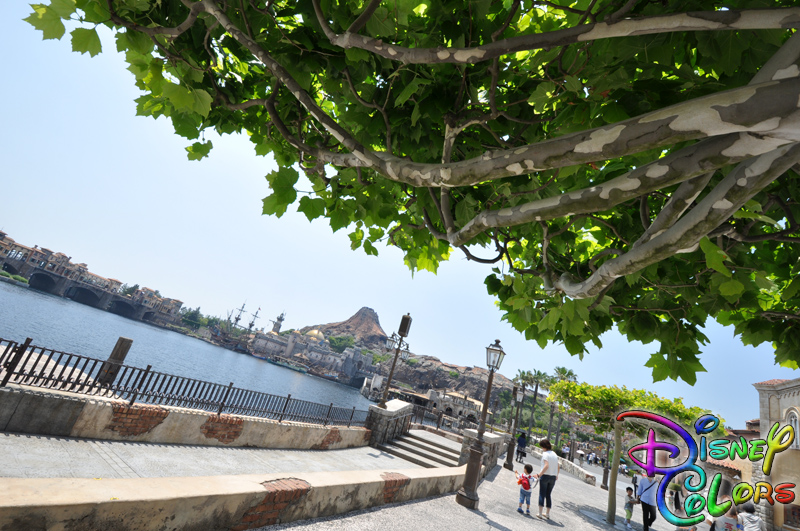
<point>525,482</point>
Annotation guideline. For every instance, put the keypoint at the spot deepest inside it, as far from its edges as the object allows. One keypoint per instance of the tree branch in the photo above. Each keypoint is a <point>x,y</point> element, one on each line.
<point>746,180</point>
<point>732,20</point>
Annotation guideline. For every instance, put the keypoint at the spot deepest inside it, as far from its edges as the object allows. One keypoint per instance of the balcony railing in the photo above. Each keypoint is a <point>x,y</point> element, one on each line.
<point>26,364</point>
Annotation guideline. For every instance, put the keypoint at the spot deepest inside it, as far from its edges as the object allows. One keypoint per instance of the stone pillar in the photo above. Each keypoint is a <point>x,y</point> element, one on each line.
<point>764,510</point>
<point>108,372</point>
<point>390,423</point>
<point>493,445</point>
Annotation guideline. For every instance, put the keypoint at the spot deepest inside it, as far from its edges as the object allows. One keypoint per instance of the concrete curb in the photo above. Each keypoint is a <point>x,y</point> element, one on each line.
<point>46,412</point>
<point>231,503</point>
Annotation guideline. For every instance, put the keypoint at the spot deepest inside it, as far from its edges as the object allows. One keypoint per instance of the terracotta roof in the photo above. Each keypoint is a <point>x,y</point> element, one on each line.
<point>772,382</point>
<point>727,463</point>
<point>753,421</point>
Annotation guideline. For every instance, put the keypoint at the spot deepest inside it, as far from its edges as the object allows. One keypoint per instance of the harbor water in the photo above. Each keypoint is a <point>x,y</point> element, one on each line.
<point>61,324</point>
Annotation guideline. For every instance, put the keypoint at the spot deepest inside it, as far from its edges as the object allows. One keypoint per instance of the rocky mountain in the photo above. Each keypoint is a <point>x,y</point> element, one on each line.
<point>364,327</point>
<point>421,372</point>
<point>428,372</point>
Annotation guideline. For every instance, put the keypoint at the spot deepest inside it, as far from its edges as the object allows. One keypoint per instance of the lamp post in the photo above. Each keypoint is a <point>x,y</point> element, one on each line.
<point>468,494</point>
<point>517,395</point>
<point>400,347</point>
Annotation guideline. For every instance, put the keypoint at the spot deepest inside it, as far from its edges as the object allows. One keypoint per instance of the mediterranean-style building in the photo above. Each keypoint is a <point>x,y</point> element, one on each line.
<point>779,401</point>
<point>16,258</point>
<point>313,349</point>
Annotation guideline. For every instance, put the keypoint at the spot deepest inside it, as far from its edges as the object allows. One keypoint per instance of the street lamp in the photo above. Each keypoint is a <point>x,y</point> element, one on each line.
<point>400,347</point>
<point>518,394</point>
<point>468,494</point>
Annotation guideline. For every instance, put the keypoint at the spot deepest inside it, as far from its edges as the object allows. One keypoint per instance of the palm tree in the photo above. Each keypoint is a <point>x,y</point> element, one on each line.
<point>562,374</point>
<point>536,378</point>
<point>521,379</point>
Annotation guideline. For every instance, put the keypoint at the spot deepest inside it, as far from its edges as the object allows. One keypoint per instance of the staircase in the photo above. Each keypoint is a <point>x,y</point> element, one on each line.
<point>423,449</point>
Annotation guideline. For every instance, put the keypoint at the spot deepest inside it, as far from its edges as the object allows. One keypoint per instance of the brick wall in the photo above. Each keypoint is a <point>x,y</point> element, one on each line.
<point>333,437</point>
<point>393,482</point>
<point>224,428</point>
<point>281,493</point>
<point>135,420</point>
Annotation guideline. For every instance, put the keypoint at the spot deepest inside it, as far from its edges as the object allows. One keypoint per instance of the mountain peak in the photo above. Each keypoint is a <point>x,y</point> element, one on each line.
<point>364,327</point>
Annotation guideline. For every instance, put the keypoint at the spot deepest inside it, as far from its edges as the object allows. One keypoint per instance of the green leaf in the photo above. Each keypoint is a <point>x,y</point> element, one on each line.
<point>47,21</point>
<point>574,345</point>
<point>355,55</point>
<point>202,102</point>
<point>790,290</point>
<point>311,207</point>
<point>714,256</point>
<point>574,84</point>
<point>282,183</point>
<point>731,288</point>
<point>272,206</point>
<point>199,150</point>
<point>64,8</point>
<point>86,41</point>
<point>180,97</point>
<point>415,114</point>
<point>762,281</point>
<point>410,90</point>
<point>340,218</point>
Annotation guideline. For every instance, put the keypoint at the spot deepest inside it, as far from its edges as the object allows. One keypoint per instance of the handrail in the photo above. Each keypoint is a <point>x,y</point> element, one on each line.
<point>26,364</point>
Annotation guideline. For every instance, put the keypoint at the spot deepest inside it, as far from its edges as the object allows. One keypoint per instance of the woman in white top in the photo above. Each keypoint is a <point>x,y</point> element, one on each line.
<point>547,477</point>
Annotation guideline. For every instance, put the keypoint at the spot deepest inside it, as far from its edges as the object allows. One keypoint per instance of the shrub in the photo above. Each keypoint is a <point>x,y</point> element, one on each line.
<point>5,274</point>
<point>412,361</point>
<point>454,374</point>
<point>19,278</point>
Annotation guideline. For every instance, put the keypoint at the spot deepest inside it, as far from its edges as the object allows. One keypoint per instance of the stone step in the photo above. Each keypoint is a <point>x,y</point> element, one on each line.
<point>427,453</point>
<point>427,440</point>
<point>390,448</point>
<point>448,453</point>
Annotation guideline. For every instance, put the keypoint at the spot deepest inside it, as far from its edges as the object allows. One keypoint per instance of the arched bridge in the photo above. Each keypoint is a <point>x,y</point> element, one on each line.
<point>79,291</point>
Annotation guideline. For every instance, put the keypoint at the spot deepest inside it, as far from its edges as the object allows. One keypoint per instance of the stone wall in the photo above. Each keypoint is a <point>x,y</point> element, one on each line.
<point>235,503</point>
<point>493,446</point>
<point>60,414</point>
<point>566,466</point>
<point>390,423</point>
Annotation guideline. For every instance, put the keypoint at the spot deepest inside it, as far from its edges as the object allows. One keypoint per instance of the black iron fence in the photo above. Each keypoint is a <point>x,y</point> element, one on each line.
<point>434,417</point>
<point>26,364</point>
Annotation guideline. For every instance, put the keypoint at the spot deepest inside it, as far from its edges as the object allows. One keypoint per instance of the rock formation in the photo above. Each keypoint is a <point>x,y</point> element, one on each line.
<point>364,327</point>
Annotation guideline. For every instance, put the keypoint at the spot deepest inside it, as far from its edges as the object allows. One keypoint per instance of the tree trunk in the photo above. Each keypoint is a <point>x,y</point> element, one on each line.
<point>558,429</point>
<point>533,410</point>
<point>550,425</point>
<point>612,480</point>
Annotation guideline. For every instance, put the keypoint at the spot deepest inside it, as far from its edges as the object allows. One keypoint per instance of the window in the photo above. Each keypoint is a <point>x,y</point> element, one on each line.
<point>794,424</point>
<point>791,513</point>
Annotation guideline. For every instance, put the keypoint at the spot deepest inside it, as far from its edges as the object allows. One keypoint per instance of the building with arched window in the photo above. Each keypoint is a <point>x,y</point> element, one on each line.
<point>779,401</point>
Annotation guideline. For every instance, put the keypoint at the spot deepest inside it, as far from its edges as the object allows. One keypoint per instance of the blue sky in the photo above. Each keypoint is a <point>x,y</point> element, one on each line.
<point>83,175</point>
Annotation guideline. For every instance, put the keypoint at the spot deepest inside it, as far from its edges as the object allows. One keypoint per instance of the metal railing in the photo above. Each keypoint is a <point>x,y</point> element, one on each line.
<point>26,364</point>
<point>396,427</point>
<point>434,417</point>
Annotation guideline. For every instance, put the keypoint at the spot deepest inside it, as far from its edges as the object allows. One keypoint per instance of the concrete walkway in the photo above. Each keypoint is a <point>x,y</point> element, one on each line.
<point>40,456</point>
<point>577,506</point>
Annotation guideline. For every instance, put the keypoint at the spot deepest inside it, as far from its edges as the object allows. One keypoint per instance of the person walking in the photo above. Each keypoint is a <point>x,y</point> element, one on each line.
<point>749,520</point>
<point>522,441</point>
<point>525,482</point>
<point>547,477</point>
<point>646,493</point>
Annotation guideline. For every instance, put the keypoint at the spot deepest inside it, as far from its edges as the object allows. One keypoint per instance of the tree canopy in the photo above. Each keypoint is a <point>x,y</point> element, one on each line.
<point>628,163</point>
<point>598,406</point>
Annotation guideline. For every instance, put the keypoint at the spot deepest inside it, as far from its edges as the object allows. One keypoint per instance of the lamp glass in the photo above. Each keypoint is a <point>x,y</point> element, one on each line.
<point>405,353</point>
<point>494,356</point>
<point>520,394</point>
<point>391,342</point>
